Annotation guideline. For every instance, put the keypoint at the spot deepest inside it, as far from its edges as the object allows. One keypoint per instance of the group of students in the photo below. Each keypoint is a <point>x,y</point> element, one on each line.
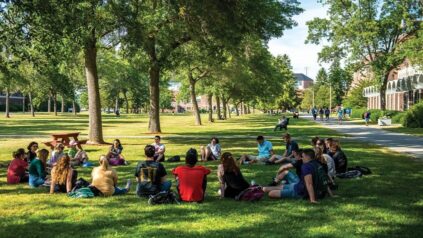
<point>191,179</point>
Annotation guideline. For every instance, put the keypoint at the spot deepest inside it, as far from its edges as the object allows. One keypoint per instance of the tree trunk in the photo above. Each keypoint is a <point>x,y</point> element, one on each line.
<point>63,104</point>
<point>196,111</point>
<point>95,133</point>
<point>55,104</point>
<point>383,92</point>
<point>236,109</point>
<point>49,104</point>
<point>116,104</point>
<point>229,110</point>
<point>242,108</point>
<point>224,105</point>
<point>74,107</point>
<point>210,103</point>
<point>126,102</point>
<point>154,122</point>
<point>31,104</point>
<point>23,103</point>
<point>7,103</point>
<point>219,116</point>
<point>248,109</point>
<point>245,109</point>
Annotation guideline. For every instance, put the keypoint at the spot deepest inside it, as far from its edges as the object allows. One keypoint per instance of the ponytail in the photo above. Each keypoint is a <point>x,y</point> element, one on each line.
<point>104,163</point>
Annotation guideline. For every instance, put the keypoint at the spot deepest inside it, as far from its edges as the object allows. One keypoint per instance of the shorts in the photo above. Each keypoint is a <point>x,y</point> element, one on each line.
<point>288,191</point>
<point>262,159</point>
<point>366,119</point>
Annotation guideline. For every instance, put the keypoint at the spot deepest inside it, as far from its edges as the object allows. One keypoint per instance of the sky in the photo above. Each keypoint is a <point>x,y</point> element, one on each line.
<point>292,42</point>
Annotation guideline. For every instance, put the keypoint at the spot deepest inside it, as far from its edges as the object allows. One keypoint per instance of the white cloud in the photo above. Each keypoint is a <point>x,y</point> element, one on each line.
<point>292,42</point>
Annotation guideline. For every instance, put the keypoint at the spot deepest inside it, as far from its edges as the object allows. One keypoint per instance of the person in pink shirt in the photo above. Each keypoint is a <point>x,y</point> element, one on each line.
<point>16,172</point>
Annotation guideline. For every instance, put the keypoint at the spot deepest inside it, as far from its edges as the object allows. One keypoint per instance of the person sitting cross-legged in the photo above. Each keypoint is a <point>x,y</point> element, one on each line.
<point>77,155</point>
<point>232,183</point>
<point>37,169</point>
<point>63,176</point>
<point>298,188</point>
<point>105,179</point>
<point>151,175</point>
<point>287,156</point>
<point>265,151</point>
<point>160,149</point>
<point>191,179</point>
<point>211,151</point>
<point>16,170</point>
<point>283,123</point>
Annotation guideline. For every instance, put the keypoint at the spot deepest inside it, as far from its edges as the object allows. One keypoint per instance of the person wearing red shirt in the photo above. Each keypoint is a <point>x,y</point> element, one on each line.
<point>16,170</point>
<point>191,179</point>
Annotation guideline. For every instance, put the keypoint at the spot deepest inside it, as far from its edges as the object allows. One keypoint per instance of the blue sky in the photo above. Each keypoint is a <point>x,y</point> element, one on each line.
<point>292,42</point>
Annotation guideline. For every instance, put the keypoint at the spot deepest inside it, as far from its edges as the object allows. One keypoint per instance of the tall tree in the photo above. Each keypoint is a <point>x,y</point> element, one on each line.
<point>368,32</point>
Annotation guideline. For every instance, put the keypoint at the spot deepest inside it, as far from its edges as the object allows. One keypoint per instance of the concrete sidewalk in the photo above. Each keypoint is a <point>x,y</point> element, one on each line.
<point>412,145</point>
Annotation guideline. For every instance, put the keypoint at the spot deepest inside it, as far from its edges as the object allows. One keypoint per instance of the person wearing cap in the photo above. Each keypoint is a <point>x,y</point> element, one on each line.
<point>291,145</point>
<point>191,179</point>
<point>265,151</point>
<point>56,155</point>
<point>159,149</point>
<point>77,155</point>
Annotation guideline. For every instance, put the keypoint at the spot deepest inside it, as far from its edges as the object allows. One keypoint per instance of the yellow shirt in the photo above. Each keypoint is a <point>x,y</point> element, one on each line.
<point>104,180</point>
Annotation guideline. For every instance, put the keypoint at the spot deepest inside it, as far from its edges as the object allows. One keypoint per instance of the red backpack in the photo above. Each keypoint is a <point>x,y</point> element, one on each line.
<point>253,193</point>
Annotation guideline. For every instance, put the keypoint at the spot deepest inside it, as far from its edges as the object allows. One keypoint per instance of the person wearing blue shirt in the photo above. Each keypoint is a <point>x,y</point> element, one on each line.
<point>265,151</point>
<point>288,156</point>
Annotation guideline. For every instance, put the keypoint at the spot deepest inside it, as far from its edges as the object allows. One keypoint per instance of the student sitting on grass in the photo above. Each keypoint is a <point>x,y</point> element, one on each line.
<point>265,151</point>
<point>338,157</point>
<point>77,155</point>
<point>63,176</point>
<point>151,175</point>
<point>16,172</point>
<point>37,169</point>
<point>56,155</point>
<point>115,154</point>
<point>191,179</point>
<point>327,162</point>
<point>282,123</point>
<point>296,163</point>
<point>159,149</point>
<point>211,151</point>
<point>32,151</point>
<point>304,186</point>
<point>105,178</point>
<point>290,145</point>
<point>232,183</point>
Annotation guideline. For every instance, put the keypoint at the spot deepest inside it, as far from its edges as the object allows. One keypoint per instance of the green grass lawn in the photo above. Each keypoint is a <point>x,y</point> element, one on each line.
<point>388,203</point>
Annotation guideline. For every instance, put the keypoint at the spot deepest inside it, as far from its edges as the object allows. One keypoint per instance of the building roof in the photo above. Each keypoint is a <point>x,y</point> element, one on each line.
<point>302,77</point>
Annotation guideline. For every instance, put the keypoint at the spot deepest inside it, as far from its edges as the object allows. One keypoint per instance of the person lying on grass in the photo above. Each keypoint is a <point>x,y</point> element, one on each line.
<point>63,176</point>
<point>232,183</point>
<point>211,151</point>
<point>151,175</point>
<point>265,151</point>
<point>77,155</point>
<point>298,187</point>
<point>37,169</point>
<point>115,156</point>
<point>16,172</point>
<point>159,149</point>
<point>56,155</point>
<point>287,156</point>
<point>105,179</point>
<point>191,179</point>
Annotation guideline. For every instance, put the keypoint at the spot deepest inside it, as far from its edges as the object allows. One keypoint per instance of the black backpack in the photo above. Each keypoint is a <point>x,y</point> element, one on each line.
<point>163,197</point>
<point>175,158</point>
<point>350,174</point>
<point>362,169</point>
<point>147,185</point>
<point>320,180</point>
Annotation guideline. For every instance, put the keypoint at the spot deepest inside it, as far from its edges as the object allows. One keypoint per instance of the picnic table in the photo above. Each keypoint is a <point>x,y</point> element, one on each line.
<point>64,138</point>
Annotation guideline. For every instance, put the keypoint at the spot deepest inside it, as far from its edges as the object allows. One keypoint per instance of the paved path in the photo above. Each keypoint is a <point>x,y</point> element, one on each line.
<point>398,142</point>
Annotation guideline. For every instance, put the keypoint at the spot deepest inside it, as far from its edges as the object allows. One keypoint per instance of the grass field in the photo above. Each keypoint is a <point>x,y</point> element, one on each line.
<point>388,203</point>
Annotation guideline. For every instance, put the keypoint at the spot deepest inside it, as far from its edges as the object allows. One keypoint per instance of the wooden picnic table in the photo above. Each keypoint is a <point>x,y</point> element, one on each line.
<point>64,138</point>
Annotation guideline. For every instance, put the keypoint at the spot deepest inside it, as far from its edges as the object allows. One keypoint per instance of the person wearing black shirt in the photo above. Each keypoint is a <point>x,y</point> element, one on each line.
<point>232,183</point>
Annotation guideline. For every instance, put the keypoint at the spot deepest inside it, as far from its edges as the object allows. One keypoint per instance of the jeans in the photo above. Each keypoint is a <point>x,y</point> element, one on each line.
<point>165,186</point>
<point>35,181</point>
<point>120,191</point>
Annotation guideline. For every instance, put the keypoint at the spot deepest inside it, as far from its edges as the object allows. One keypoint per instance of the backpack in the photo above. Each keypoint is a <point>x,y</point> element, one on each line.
<point>350,174</point>
<point>81,193</point>
<point>174,159</point>
<point>147,185</point>
<point>253,193</point>
<point>320,180</point>
<point>80,183</point>
<point>362,169</point>
<point>164,197</point>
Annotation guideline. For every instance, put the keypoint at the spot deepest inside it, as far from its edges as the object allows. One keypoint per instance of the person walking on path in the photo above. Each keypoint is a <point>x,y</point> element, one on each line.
<point>340,115</point>
<point>327,113</point>
<point>366,117</point>
<point>314,113</point>
<point>321,112</point>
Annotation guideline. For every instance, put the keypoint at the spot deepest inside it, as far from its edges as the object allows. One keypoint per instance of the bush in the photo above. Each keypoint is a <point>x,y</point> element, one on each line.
<point>358,112</point>
<point>414,116</point>
<point>398,117</point>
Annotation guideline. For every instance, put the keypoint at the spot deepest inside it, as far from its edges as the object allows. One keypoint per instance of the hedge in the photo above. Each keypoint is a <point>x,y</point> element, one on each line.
<point>414,116</point>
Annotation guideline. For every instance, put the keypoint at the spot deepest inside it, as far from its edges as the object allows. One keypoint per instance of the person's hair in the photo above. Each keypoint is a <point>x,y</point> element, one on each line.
<point>18,153</point>
<point>329,139</point>
<point>118,141</point>
<point>157,137</point>
<point>319,155</point>
<point>191,157</point>
<point>61,170</point>
<point>310,153</point>
<point>31,144</point>
<point>215,138</point>
<point>104,163</point>
<point>314,140</point>
<point>260,138</point>
<point>287,135</point>
<point>58,146</point>
<point>229,163</point>
<point>42,154</point>
<point>149,151</point>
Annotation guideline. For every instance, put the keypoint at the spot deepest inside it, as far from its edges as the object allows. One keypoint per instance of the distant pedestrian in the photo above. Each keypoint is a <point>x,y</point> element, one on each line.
<point>314,113</point>
<point>321,112</point>
<point>340,115</point>
<point>327,113</point>
<point>366,117</point>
